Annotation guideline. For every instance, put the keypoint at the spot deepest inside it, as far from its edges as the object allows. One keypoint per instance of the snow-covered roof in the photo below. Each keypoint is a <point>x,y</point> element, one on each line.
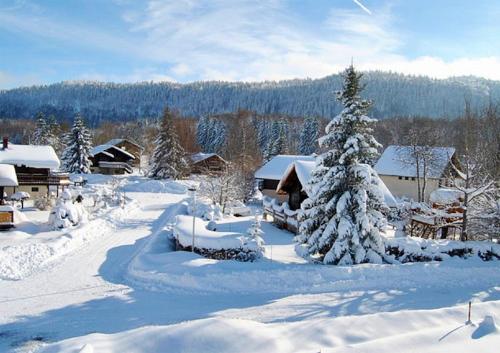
<point>446,196</point>
<point>397,161</point>
<point>30,156</point>
<point>303,169</point>
<point>108,151</point>
<point>8,175</point>
<point>198,157</point>
<point>117,141</point>
<point>278,165</point>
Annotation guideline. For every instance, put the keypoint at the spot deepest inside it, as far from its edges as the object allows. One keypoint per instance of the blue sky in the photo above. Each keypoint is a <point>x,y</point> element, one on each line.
<point>185,40</point>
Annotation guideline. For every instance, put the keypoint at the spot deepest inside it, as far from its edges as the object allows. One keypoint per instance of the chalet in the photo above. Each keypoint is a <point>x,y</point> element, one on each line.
<point>270,174</point>
<point>129,146</point>
<point>294,183</point>
<point>36,168</point>
<point>206,162</point>
<point>399,173</point>
<point>109,159</point>
<point>292,189</point>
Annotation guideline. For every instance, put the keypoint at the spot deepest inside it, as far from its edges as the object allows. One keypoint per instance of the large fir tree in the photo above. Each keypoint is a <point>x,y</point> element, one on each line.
<point>341,221</point>
<point>278,142</point>
<point>308,142</point>
<point>76,155</point>
<point>168,159</point>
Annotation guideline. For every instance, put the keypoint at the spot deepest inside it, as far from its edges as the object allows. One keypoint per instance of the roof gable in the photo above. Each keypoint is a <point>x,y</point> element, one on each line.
<point>396,161</point>
<point>108,150</point>
<point>117,141</point>
<point>199,157</point>
<point>278,165</point>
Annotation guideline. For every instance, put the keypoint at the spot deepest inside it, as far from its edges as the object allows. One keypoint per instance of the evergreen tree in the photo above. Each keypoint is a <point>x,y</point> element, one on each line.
<point>341,220</point>
<point>75,156</point>
<point>202,132</point>
<point>278,140</point>
<point>168,159</point>
<point>41,133</point>
<point>309,137</point>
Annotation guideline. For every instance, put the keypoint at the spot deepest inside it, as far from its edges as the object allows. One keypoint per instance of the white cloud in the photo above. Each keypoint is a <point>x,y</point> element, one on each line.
<point>188,40</point>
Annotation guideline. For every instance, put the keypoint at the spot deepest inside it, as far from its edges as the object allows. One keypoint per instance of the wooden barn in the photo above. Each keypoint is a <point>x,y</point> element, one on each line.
<point>129,146</point>
<point>109,159</point>
<point>201,163</point>
<point>36,168</point>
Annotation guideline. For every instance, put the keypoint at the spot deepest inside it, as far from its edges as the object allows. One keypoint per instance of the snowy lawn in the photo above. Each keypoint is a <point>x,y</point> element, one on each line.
<point>128,291</point>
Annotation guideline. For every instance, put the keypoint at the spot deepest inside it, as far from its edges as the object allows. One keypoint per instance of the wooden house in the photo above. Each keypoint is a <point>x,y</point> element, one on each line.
<point>36,169</point>
<point>399,173</point>
<point>109,159</point>
<point>292,190</point>
<point>269,175</point>
<point>129,146</point>
<point>206,163</point>
<point>8,178</point>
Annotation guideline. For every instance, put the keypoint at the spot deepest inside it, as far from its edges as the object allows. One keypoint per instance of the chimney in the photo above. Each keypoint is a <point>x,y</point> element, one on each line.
<point>5,142</point>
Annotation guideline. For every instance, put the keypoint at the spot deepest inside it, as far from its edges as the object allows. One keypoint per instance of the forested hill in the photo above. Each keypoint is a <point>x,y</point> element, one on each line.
<point>393,95</point>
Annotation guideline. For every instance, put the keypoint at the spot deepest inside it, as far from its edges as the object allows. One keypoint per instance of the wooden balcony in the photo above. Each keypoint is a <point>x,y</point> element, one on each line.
<point>42,179</point>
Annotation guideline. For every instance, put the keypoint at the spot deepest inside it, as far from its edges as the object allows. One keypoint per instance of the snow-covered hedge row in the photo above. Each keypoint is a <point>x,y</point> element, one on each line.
<point>215,245</point>
<point>411,249</point>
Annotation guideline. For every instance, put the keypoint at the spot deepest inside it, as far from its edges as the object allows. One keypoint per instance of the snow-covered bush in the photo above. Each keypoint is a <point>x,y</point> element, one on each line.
<point>255,232</point>
<point>411,249</point>
<point>44,203</point>
<point>66,213</point>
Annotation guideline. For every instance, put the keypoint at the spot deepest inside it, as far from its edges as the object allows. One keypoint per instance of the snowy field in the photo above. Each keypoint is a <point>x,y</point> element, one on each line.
<point>114,284</point>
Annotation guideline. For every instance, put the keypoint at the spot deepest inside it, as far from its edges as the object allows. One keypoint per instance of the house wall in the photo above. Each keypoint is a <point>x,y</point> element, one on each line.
<point>42,190</point>
<point>213,164</point>
<point>401,187</point>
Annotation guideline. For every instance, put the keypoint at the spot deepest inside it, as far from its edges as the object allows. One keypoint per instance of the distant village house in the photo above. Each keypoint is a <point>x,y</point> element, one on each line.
<point>399,172</point>
<point>110,159</point>
<point>206,162</point>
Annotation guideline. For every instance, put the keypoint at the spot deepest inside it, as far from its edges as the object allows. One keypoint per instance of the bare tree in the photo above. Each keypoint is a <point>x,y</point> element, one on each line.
<point>223,187</point>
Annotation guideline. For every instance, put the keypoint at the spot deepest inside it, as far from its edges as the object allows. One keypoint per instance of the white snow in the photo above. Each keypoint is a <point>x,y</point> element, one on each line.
<point>200,156</point>
<point>207,239</point>
<point>116,285</point>
<point>8,175</point>
<point>20,195</point>
<point>446,196</point>
<point>393,161</point>
<point>30,156</point>
<point>277,166</point>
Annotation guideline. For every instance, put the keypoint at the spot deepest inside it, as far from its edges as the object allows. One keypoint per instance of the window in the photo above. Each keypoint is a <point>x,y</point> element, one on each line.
<point>400,177</point>
<point>413,178</point>
<point>406,178</point>
<point>34,189</point>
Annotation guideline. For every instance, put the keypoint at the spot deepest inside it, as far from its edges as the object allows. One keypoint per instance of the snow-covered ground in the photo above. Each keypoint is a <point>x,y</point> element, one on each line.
<point>115,285</point>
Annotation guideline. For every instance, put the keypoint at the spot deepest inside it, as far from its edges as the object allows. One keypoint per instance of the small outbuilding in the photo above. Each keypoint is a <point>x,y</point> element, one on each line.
<point>201,163</point>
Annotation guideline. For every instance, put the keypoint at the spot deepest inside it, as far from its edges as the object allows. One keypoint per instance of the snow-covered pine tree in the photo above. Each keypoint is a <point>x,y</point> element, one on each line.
<point>308,142</point>
<point>342,219</point>
<point>219,139</point>
<point>75,157</point>
<point>278,140</point>
<point>42,131</point>
<point>167,160</point>
<point>202,132</point>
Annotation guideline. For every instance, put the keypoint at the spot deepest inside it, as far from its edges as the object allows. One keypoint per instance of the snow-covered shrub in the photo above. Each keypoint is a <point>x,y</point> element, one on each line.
<point>255,232</point>
<point>66,213</point>
<point>44,203</point>
<point>410,249</point>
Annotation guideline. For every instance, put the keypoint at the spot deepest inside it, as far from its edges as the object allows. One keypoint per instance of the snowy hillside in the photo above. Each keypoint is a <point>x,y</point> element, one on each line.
<point>393,94</point>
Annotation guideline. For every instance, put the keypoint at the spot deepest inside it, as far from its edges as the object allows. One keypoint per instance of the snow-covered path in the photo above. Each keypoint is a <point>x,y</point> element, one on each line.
<point>79,292</point>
